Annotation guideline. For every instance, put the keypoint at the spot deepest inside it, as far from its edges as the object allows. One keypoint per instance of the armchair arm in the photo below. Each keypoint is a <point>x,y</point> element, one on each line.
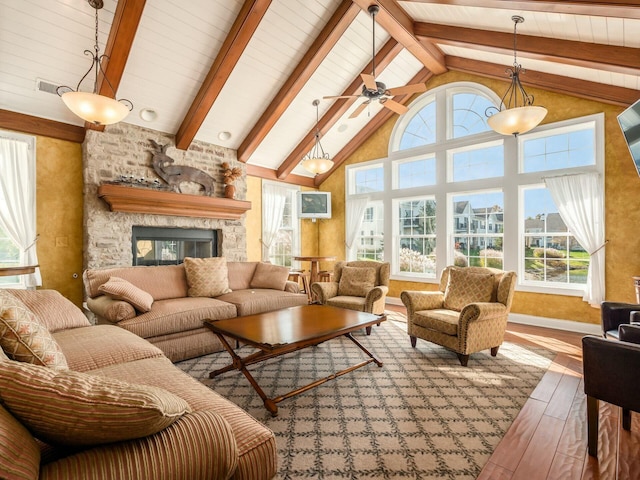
<point>629,333</point>
<point>478,312</point>
<point>613,314</point>
<point>200,445</point>
<point>375,295</point>
<point>416,300</point>
<point>323,291</point>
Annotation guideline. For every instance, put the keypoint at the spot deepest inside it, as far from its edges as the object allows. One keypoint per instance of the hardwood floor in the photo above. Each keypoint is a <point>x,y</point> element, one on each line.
<point>548,439</point>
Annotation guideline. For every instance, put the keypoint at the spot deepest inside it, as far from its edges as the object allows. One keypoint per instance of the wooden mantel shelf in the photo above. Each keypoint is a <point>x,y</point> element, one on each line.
<point>121,198</point>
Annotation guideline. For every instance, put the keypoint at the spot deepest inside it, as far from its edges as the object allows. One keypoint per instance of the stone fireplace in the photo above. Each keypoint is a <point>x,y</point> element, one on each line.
<point>124,151</point>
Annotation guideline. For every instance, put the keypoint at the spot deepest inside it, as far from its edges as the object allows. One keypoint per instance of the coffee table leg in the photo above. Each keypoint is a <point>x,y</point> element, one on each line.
<point>350,337</point>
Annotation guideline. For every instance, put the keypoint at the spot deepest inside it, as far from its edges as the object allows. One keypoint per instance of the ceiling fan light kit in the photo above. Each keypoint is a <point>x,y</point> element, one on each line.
<point>91,106</point>
<point>317,161</point>
<point>516,114</point>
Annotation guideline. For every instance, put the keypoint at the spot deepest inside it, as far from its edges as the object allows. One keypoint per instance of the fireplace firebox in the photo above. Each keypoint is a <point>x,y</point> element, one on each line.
<point>169,245</point>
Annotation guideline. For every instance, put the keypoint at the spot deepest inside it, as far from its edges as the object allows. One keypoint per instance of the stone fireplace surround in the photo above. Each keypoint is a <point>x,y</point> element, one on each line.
<point>124,149</point>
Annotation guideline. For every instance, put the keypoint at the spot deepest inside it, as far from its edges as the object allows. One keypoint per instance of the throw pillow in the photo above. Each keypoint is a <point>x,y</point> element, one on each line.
<point>52,309</point>
<point>23,338</point>
<point>270,276</point>
<point>19,452</point>
<point>465,287</point>
<point>207,277</point>
<point>120,289</point>
<point>73,408</point>
<point>356,281</point>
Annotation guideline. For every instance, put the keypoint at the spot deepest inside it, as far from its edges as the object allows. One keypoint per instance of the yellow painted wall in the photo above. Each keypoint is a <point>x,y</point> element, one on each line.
<point>59,216</point>
<point>622,185</point>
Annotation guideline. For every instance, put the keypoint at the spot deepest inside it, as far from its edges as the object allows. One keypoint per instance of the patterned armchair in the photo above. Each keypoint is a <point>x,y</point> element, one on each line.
<point>358,285</point>
<point>468,313</point>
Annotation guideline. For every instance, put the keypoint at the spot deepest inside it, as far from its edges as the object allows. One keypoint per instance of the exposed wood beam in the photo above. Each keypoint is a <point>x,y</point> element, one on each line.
<point>123,30</point>
<point>20,122</point>
<point>554,83</point>
<point>237,40</point>
<point>610,58</point>
<point>331,33</point>
<point>383,58</point>
<point>375,123</point>
<point>623,9</point>
<point>395,20</point>
<point>268,174</point>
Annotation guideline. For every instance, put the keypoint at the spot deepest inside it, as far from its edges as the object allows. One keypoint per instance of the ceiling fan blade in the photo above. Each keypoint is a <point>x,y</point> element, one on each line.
<point>340,96</point>
<point>407,89</point>
<point>359,110</point>
<point>394,106</point>
<point>369,81</point>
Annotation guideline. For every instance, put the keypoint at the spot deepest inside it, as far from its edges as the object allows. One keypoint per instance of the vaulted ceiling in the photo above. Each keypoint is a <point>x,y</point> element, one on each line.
<point>253,68</point>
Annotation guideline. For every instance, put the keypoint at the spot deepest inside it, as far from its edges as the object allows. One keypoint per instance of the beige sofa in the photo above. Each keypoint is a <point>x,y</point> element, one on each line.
<point>174,321</point>
<point>52,394</point>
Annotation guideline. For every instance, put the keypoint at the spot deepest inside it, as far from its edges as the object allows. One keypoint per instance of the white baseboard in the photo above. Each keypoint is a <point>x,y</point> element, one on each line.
<point>556,323</point>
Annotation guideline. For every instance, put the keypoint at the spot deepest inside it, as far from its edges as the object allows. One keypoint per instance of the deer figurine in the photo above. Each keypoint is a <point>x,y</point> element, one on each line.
<point>174,175</point>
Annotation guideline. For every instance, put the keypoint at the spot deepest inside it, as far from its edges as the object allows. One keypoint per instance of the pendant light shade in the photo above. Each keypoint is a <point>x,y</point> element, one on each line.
<point>317,161</point>
<point>517,114</point>
<point>91,106</point>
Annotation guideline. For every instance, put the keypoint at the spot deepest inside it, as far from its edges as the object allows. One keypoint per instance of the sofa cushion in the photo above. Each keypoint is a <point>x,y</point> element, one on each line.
<point>52,309</point>
<point>23,338</point>
<point>356,281</point>
<point>162,282</point>
<point>110,309</point>
<point>73,408</point>
<point>270,276</point>
<point>19,452</point>
<point>240,274</point>
<point>465,287</point>
<point>250,302</point>
<point>120,289</point>
<point>440,320</point>
<point>207,277</point>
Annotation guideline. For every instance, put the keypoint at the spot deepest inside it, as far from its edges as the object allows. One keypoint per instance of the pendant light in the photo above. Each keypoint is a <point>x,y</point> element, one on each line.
<point>516,114</point>
<point>317,161</point>
<point>92,107</point>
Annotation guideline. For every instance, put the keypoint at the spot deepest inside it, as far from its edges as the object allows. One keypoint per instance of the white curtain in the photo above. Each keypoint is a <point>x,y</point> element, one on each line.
<point>580,202</point>
<point>354,217</point>
<point>273,199</point>
<point>18,200</point>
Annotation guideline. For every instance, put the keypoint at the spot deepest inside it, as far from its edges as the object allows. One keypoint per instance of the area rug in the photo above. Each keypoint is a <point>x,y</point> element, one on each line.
<point>422,415</point>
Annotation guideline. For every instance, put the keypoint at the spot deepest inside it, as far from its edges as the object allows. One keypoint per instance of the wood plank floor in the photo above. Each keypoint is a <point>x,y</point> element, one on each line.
<point>548,439</point>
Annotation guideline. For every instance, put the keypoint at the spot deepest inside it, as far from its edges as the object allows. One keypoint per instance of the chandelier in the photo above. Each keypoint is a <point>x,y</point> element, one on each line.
<point>92,107</point>
<point>516,114</point>
<point>317,161</point>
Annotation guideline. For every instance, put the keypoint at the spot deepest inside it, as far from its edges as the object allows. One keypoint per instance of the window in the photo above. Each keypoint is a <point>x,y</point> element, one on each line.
<point>477,162</point>
<point>286,242</point>
<point>415,172</point>
<point>370,241</point>
<point>10,256</point>
<point>367,179</point>
<point>468,113</point>
<point>416,236</point>
<point>421,128</point>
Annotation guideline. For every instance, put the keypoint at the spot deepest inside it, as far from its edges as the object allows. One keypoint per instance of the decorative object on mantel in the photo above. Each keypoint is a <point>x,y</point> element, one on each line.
<point>131,181</point>
<point>230,176</point>
<point>174,175</point>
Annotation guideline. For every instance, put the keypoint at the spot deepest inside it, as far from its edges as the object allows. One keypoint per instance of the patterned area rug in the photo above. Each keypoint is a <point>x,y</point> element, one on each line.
<point>422,415</point>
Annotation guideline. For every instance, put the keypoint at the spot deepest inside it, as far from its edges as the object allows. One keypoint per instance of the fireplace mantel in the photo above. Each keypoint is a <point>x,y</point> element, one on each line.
<point>121,198</point>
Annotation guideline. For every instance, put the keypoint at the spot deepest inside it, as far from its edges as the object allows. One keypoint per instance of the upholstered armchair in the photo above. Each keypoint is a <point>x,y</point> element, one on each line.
<point>358,285</point>
<point>614,314</point>
<point>467,314</point>
<point>611,375</point>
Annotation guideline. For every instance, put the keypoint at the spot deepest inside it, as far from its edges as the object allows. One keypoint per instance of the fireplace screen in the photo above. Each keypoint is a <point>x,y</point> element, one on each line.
<point>169,246</point>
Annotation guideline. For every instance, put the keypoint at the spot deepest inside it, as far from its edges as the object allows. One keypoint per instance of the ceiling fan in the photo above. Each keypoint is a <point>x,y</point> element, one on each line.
<point>373,90</point>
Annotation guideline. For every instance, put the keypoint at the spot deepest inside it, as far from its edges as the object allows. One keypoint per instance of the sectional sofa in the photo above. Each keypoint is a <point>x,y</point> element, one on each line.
<point>82,401</point>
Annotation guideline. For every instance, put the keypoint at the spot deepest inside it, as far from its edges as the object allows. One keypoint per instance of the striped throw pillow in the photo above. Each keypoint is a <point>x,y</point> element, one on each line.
<point>19,452</point>
<point>120,289</point>
<point>72,408</point>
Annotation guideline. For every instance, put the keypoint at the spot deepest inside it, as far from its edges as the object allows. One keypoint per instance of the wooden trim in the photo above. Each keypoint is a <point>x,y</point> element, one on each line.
<point>395,20</point>
<point>155,202</point>
<point>383,58</point>
<point>19,122</point>
<point>553,83</point>
<point>375,123</point>
<point>618,9</point>
<point>11,271</point>
<point>611,58</point>
<point>268,174</point>
<point>237,40</point>
<point>123,31</point>
<point>323,44</point>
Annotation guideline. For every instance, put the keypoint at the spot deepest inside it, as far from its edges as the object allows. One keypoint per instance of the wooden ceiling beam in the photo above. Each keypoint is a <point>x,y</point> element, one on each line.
<point>237,40</point>
<point>610,58</point>
<point>618,9</point>
<point>123,31</point>
<point>399,25</point>
<point>553,83</point>
<point>269,174</point>
<point>19,122</point>
<point>384,57</point>
<point>323,44</point>
<point>375,123</point>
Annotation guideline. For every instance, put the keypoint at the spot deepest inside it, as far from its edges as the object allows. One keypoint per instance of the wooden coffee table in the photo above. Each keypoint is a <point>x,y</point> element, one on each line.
<point>288,330</point>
